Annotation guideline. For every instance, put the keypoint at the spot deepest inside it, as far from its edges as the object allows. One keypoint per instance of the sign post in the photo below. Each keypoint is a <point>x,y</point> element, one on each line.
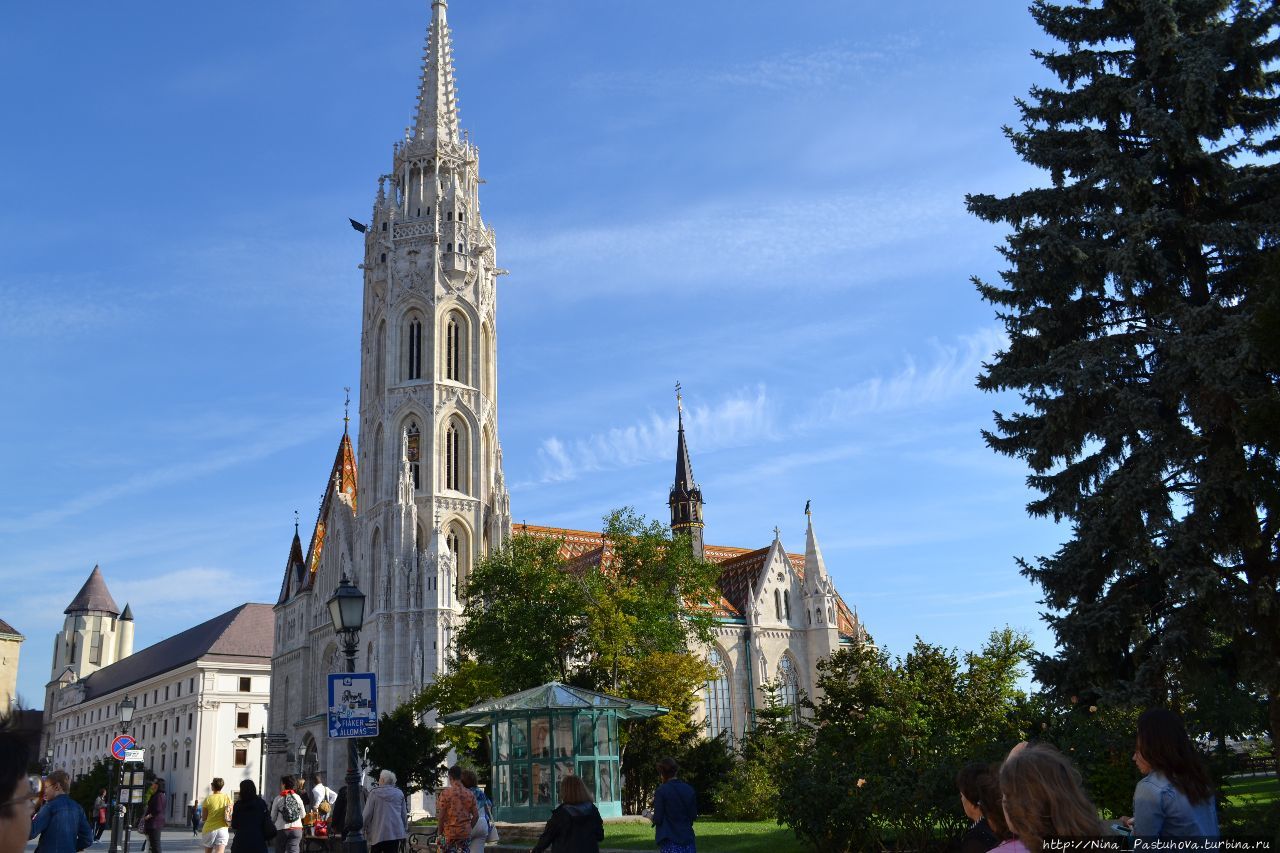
<point>353,705</point>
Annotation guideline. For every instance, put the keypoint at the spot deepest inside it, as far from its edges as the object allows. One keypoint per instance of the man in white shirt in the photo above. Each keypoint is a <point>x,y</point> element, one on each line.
<point>320,793</point>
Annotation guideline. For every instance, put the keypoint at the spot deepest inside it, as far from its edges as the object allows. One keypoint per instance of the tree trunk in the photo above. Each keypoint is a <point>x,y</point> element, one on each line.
<point>1274,702</point>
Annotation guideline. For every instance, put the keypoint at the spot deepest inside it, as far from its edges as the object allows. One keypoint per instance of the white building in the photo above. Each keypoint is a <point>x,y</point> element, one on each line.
<point>432,497</point>
<point>196,694</point>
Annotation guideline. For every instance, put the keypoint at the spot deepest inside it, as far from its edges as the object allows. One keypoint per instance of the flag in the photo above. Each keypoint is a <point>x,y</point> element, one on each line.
<point>359,226</point>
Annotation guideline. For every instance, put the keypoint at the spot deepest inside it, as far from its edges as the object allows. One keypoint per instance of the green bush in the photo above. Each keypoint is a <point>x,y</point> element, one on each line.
<point>748,792</point>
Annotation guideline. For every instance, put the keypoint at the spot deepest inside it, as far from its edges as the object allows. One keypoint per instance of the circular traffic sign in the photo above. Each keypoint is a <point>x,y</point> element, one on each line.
<point>120,745</point>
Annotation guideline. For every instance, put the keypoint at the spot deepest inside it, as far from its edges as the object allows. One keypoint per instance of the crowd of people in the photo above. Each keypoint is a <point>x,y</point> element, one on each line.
<point>1036,794</point>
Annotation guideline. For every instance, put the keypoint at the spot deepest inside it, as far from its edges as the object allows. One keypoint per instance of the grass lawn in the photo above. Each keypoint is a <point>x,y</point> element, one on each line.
<point>1249,799</point>
<point>714,836</point>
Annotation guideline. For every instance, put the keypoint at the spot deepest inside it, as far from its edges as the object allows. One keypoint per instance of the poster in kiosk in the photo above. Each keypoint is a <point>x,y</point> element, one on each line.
<point>353,704</point>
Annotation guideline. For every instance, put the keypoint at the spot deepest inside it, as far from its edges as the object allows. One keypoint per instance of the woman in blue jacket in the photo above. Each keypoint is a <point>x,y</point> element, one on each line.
<point>1174,798</point>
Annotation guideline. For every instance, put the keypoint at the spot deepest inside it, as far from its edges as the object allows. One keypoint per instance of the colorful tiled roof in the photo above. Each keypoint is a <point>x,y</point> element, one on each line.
<point>342,479</point>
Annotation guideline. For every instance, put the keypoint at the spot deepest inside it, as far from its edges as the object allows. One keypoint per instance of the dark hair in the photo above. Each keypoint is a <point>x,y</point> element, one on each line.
<point>667,767</point>
<point>159,783</point>
<point>248,790</point>
<point>289,781</point>
<point>980,785</point>
<point>1163,743</point>
<point>315,779</point>
<point>573,790</point>
<point>13,767</point>
<point>469,778</point>
<point>455,772</point>
<point>217,783</point>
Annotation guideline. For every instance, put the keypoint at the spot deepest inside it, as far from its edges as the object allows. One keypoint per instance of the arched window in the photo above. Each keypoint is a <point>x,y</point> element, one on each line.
<point>455,354</point>
<point>415,469</point>
<point>456,457</point>
<point>378,575</point>
<point>376,463</point>
<point>786,604</point>
<point>719,711</point>
<point>460,545</point>
<point>777,605</point>
<point>486,360</point>
<point>788,685</point>
<point>413,348</point>
<point>380,358</point>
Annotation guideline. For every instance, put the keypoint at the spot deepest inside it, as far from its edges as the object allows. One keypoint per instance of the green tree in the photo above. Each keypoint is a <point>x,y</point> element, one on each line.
<point>890,735</point>
<point>406,747</point>
<point>1141,302</point>
<point>85,788</point>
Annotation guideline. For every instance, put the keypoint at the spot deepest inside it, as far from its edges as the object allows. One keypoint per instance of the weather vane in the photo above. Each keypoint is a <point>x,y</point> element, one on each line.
<point>346,410</point>
<point>679,400</point>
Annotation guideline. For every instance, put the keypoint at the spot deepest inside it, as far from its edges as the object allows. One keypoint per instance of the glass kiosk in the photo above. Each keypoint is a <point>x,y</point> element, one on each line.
<point>540,735</point>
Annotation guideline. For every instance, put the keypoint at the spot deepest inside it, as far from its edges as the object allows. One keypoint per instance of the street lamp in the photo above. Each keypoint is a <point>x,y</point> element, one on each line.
<point>48,759</point>
<point>125,712</point>
<point>302,761</point>
<point>346,609</point>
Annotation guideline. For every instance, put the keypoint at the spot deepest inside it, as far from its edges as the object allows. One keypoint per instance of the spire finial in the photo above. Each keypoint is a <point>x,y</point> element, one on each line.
<point>346,410</point>
<point>679,402</point>
<point>295,522</point>
<point>777,532</point>
<point>806,508</point>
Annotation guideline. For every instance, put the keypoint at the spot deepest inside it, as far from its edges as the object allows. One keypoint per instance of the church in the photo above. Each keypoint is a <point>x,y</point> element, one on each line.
<point>432,499</point>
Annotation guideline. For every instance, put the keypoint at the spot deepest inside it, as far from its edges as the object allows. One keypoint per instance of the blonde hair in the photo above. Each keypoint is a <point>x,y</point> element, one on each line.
<point>1045,798</point>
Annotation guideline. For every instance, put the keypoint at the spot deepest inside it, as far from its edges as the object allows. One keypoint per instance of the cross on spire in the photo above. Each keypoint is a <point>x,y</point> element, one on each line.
<point>346,410</point>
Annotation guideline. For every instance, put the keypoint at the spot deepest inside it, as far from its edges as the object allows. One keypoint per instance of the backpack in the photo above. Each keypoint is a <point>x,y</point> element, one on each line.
<point>290,807</point>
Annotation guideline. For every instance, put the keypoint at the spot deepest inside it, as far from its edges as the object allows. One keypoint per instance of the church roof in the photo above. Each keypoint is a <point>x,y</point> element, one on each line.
<point>7,630</point>
<point>93,597</point>
<point>342,480</point>
<point>437,114</point>
<point>684,486</point>
<point>295,570</point>
<point>739,569</point>
<point>245,633</point>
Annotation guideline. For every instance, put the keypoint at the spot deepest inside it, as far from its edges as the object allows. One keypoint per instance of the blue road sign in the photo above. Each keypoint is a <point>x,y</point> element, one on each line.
<point>353,704</point>
<point>121,745</point>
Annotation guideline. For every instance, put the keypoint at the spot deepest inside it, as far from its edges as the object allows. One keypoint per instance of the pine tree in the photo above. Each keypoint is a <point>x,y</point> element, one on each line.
<point>1142,307</point>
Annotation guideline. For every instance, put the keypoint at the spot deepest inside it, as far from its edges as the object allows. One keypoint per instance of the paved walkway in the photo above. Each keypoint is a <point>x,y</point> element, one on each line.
<point>176,840</point>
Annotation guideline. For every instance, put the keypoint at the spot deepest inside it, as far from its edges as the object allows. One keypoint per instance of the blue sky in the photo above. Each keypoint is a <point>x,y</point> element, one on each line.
<point>763,201</point>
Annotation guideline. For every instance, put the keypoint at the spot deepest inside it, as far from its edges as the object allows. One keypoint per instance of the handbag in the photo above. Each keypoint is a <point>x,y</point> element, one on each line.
<point>268,827</point>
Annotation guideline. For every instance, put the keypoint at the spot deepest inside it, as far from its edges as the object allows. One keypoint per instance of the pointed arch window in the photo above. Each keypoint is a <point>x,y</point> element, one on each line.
<point>786,604</point>
<point>415,468</point>
<point>455,360</point>
<point>777,605</point>
<point>719,711</point>
<point>380,357</point>
<point>413,348</point>
<point>460,546</point>
<point>788,686</point>
<point>455,456</point>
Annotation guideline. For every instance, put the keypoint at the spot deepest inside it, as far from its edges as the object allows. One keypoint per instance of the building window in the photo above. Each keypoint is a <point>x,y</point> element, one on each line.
<point>162,762</point>
<point>719,712</point>
<point>166,693</point>
<point>187,759</point>
<point>413,349</point>
<point>453,458</point>
<point>788,686</point>
<point>190,718</point>
<point>153,729</point>
<point>164,730</point>
<point>455,340</point>
<point>786,604</point>
<point>179,689</point>
<point>411,452</point>
<point>777,605</point>
<point>241,757</point>
<point>246,684</point>
<point>242,719</point>
<point>95,648</point>
<point>191,685</point>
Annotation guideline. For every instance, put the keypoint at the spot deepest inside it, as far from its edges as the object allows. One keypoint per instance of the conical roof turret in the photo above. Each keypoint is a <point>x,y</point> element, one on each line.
<point>93,597</point>
<point>437,114</point>
<point>684,487</point>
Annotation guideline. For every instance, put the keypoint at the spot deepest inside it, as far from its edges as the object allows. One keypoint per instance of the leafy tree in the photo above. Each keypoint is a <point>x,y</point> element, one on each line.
<point>411,750</point>
<point>704,764</point>
<point>889,737</point>
<point>749,791</point>
<point>1142,306</point>
<point>85,787</point>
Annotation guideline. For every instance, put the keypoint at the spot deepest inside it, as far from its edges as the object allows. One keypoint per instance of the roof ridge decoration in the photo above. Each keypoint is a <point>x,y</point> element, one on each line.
<point>437,113</point>
<point>93,597</point>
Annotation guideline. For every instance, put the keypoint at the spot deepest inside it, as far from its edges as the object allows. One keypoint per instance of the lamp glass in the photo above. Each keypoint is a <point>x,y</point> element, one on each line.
<point>346,607</point>
<point>126,710</point>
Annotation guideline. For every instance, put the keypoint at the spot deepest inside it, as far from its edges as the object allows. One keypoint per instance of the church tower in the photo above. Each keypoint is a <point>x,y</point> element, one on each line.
<point>94,634</point>
<point>686,497</point>
<point>433,500</point>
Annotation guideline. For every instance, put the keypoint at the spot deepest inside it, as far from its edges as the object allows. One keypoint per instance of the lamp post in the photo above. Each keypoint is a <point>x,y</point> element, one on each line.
<point>48,759</point>
<point>125,711</point>
<point>302,761</point>
<point>346,609</point>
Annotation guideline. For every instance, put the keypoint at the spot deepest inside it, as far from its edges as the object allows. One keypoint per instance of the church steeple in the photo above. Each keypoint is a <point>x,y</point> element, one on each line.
<point>437,114</point>
<point>686,497</point>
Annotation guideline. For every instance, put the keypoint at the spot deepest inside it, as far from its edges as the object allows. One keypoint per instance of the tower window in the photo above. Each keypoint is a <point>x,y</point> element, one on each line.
<point>453,458</point>
<point>384,226</point>
<point>413,347</point>
<point>462,216</point>
<point>451,216</point>
<point>786,604</point>
<point>450,247</point>
<point>453,347</point>
<point>428,211</point>
<point>777,605</point>
<point>418,212</point>
<point>384,257</point>
<point>412,452</point>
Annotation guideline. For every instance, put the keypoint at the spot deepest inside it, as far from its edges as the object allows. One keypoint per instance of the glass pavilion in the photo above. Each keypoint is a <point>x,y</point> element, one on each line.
<point>540,735</point>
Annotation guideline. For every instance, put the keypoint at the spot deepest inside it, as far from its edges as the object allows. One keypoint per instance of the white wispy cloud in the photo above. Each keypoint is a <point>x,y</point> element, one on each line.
<point>288,434</point>
<point>758,242</point>
<point>54,307</point>
<point>787,71</point>
<point>953,370</point>
<point>741,419</point>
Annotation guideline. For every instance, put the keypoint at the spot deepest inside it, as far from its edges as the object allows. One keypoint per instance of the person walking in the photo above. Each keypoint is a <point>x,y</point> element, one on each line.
<point>153,815</point>
<point>675,806</point>
<point>322,796</point>
<point>251,821</point>
<point>18,793</point>
<point>1174,798</point>
<point>456,814</point>
<point>286,813</point>
<point>194,817</point>
<point>575,826</point>
<point>99,813</point>
<point>61,823</point>
<point>483,829</point>
<point>386,815</point>
<point>215,808</point>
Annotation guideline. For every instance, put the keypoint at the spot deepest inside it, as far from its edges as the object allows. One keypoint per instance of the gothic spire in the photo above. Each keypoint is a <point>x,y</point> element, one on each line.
<point>686,498</point>
<point>815,568</point>
<point>437,118</point>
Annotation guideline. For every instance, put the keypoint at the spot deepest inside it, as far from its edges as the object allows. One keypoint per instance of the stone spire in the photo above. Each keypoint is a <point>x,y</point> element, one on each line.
<point>686,498</point>
<point>437,118</point>
<point>93,597</point>
<point>815,568</point>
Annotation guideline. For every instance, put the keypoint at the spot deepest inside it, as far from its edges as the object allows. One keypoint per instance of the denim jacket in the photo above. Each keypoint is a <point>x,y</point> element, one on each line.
<point>1162,811</point>
<point>62,827</point>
